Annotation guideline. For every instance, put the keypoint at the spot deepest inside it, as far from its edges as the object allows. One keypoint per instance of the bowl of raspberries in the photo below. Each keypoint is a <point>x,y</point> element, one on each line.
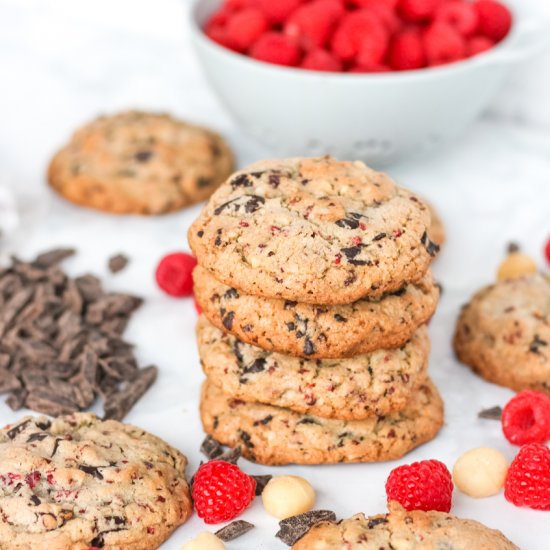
<point>371,79</point>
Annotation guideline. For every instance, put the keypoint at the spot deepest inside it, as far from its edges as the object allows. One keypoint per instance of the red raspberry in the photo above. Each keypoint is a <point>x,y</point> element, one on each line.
<point>245,27</point>
<point>215,27</point>
<point>236,5</point>
<point>278,11</point>
<point>388,17</point>
<point>443,44</point>
<point>547,251</point>
<point>221,491</point>
<point>274,47</point>
<point>392,4</point>
<point>321,60</point>
<point>174,274</point>
<point>380,68</point>
<point>528,479</point>
<point>417,11</point>
<point>407,51</point>
<point>460,15</point>
<point>424,485</point>
<point>312,24</point>
<point>360,31</point>
<point>495,19</point>
<point>478,44</point>
<point>526,418</point>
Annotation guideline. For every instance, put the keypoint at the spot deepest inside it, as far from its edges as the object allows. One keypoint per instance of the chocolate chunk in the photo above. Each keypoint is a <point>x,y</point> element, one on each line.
<point>203,182</point>
<point>512,248</point>
<point>376,521</point>
<point>53,257</point>
<point>143,156</point>
<point>340,318</point>
<point>253,204</point>
<point>348,223</point>
<point>261,482</point>
<point>264,421</point>
<point>246,439</point>
<point>231,455</point>
<point>258,365</point>
<point>430,246</point>
<point>309,348</point>
<point>294,528</point>
<point>494,413</point>
<point>227,321</point>
<point>234,530</point>
<point>289,304</point>
<point>274,180</point>
<point>536,344</point>
<point>379,237</point>
<point>242,180</point>
<point>16,430</point>
<point>91,470</point>
<point>231,293</point>
<point>118,263</point>
<point>211,448</point>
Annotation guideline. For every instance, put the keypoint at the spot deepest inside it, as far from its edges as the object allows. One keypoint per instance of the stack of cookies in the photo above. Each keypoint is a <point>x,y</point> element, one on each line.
<point>315,288</point>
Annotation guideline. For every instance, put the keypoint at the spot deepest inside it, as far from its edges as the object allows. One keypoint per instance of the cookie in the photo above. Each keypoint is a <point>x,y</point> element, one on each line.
<point>273,435</point>
<point>78,482</point>
<point>317,331</point>
<point>378,383</point>
<point>436,231</point>
<point>416,530</point>
<point>313,230</point>
<point>140,163</point>
<point>503,334</point>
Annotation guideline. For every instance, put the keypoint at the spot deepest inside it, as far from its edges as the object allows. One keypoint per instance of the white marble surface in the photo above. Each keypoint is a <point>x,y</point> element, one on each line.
<point>63,61</point>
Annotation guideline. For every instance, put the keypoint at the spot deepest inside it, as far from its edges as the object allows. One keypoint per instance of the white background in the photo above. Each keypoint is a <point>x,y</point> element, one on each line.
<point>64,61</point>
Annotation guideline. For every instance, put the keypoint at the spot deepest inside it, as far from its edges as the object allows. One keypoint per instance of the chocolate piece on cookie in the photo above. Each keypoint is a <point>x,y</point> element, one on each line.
<point>273,435</point>
<point>78,482</point>
<point>313,230</point>
<point>416,530</point>
<point>503,333</point>
<point>378,383</point>
<point>140,163</point>
<point>317,331</point>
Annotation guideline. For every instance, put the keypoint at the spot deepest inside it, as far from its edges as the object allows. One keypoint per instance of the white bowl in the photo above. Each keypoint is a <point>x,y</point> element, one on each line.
<point>379,118</point>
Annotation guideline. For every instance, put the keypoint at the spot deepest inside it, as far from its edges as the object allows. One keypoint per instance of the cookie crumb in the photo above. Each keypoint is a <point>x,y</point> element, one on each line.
<point>493,413</point>
<point>234,530</point>
<point>118,263</point>
<point>294,528</point>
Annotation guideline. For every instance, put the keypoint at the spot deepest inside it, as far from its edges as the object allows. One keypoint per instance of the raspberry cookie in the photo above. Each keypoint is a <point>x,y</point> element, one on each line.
<point>140,163</point>
<point>503,334</point>
<point>273,435</point>
<point>317,331</point>
<point>401,529</point>
<point>377,383</point>
<point>77,482</point>
<point>313,230</point>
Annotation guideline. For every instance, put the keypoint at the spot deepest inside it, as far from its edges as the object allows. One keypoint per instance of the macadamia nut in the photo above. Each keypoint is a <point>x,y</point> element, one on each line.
<point>286,496</point>
<point>204,541</point>
<point>516,265</point>
<point>480,472</point>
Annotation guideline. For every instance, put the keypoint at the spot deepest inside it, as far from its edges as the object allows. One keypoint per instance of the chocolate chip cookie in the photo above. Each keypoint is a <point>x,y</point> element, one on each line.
<point>77,482</point>
<point>416,530</point>
<point>317,331</point>
<point>273,435</point>
<point>503,334</point>
<point>140,163</point>
<point>378,383</point>
<point>313,230</point>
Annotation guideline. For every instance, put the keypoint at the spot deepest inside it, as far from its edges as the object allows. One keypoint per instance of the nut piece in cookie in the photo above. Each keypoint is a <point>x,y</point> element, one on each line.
<point>402,529</point>
<point>140,163</point>
<point>503,333</point>
<point>313,230</point>
<point>80,482</point>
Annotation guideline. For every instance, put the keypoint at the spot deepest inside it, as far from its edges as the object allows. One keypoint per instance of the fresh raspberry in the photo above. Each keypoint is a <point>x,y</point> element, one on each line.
<point>274,47</point>
<point>443,44</point>
<point>312,24</point>
<point>526,418</point>
<point>360,31</point>
<point>278,11</point>
<point>478,44</point>
<point>528,480</point>
<point>174,274</point>
<point>215,27</point>
<point>418,11</point>
<point>460,15</point>
<point>245,27</point>
<point>218,35</point>
<point>235,5</point>
<point>321,60</point>
<point>424,485</point>
<point>221,491</point>
<point>547,250</point>
<point>392,4</point>
<point>388,17</point>
<point>380,68</point>
<point>495,19</point>
<point>407,51</point>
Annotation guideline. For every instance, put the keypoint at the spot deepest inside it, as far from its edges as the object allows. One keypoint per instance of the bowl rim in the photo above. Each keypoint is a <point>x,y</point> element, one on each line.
<point>494,55</point>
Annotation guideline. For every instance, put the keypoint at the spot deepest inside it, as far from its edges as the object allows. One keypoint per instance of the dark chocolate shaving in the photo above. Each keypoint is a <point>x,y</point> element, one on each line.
<point>261,482</point>
<point>234,530</point>
<point>118,263</point>
<point>211,448</point>
<point>494,413</point>
<point>61,340</point>
<point>294,528</point>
